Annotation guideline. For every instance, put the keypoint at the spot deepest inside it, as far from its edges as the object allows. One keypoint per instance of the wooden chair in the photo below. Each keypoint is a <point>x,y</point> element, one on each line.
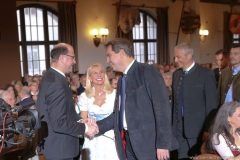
<point>207,157</point>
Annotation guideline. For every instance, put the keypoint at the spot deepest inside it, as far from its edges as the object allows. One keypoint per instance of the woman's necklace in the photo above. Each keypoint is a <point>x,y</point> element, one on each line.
<point>100,93</point>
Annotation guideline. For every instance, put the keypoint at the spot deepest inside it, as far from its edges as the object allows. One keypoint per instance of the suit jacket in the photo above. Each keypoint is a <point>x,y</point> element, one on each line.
<point>26,101</point>
<point>80,90</point>
<point>225,81</point>
<point>148,113</point>
<point>60,132</point>
<point>200,97</point>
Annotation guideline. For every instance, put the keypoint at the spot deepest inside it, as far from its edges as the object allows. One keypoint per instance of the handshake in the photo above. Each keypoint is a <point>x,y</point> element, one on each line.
<point>92,127</point>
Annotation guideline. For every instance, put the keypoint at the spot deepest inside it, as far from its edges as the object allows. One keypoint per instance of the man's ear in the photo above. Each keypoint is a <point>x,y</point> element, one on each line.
<point>121,53</point>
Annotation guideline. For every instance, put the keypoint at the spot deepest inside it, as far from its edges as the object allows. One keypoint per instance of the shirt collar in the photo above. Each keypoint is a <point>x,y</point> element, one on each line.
<point>188,69</point>
<point>129,66</point>
<point>59,71</point>
<point>236,70</point>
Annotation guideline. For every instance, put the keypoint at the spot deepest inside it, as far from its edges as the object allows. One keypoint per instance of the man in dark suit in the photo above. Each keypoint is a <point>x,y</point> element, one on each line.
<point>222,60</point>
<point>229,82</point>
<point>60,132</point>
<point>25,96</point>
<point>194,96</point>
<point>145,119</point>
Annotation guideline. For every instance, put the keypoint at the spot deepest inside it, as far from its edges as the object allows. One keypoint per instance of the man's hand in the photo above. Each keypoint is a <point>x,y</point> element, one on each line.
<point>89,121</point>
<point>162,154</point>
<point>92,130</point>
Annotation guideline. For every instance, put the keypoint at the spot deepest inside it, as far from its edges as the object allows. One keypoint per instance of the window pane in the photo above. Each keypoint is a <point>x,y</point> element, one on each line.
<point>151,28</point>
<point>50,32</point>
<point>139,52</point>
<point>33,16</point>
<point>235,41</point>
<point>34,33</point>
<point>29,53</point>
<point>55,20</point>
<point>50,23</point>
<point>26,16</point>
<point>40,34</point>
<point>22,69</point>
<point>35,52</point>
<point>20,51</point>
<point>36,67</point>
<point>235,36</point>
<point>138,29</point>
<point>30,68</point>
<point>41,52</point>
<point>42,66</point>
<point>19,34</point>
<point>55,33</point>
<point>152,50</point>
<point>39,17</point>
<point>18,17</point>
<point>28,33</point>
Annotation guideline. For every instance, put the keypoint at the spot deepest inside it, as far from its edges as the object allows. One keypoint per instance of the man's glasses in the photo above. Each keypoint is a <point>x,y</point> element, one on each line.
<point>73,57</point>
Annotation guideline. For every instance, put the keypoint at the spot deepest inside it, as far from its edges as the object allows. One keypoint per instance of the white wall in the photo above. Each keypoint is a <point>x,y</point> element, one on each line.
<point>101,13</point>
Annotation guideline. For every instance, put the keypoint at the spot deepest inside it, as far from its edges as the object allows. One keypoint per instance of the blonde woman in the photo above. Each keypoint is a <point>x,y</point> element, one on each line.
<point>97,102</point>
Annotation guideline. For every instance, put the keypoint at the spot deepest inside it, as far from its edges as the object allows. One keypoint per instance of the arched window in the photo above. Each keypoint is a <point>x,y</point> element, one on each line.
<point>38,33</point>
<point>145,39</point>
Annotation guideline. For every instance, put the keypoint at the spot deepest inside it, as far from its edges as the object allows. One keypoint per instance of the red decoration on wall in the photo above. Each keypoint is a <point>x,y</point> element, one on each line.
<point>234,24</point>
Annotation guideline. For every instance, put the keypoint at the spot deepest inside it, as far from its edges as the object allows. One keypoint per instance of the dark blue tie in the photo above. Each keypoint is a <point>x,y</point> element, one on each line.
<point>122,104</point>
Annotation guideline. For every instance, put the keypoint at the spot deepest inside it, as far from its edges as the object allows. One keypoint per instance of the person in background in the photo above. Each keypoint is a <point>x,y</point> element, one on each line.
<point>83,84</point>
<point>34,87</point>
<point>9,97</point>
<point>168,82</point>
<point>97,102</point>
<point>114,82</point>
<point>222,61</point>
<point>225,131</point>
<point>26,99</point>
<point>110,73</point>
<point>229,86</point>
<point>17,86</point>
<point>194,96</point>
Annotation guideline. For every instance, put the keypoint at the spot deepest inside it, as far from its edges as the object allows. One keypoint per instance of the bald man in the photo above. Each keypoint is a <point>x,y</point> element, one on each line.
<point>60,132</point>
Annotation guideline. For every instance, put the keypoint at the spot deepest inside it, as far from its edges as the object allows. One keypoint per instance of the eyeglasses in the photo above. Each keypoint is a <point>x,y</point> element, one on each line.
<point>73,57</point>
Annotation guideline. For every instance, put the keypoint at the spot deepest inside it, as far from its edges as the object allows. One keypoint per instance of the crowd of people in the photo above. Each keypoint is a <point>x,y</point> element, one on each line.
<point>147,110</point>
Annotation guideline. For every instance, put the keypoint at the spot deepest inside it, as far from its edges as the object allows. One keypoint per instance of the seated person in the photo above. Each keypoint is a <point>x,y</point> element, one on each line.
<point>34,87</point>
<point>225,132</point>
<point>9,97</point>
<point>26,99</point>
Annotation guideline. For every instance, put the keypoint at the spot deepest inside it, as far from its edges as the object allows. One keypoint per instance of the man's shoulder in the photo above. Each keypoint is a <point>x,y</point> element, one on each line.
<point>226,70</point>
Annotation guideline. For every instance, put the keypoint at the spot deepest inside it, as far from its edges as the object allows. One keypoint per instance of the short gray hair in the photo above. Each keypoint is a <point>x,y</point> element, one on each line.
<point>5,93</point>
<point>185,48</point>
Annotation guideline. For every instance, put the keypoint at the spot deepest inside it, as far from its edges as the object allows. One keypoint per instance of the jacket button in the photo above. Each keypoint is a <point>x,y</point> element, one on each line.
<point>80,136</point>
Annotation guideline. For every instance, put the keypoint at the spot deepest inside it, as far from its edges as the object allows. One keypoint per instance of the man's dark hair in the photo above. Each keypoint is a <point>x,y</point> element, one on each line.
<point>57,51</point>
<point>235,45</point>
<point>224,52</point>
<point>120,43</point>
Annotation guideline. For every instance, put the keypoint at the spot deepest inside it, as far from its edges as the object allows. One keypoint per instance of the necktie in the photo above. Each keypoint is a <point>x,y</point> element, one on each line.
<point>122,107</point>
<point>122,104</point>
<point>185,72</point>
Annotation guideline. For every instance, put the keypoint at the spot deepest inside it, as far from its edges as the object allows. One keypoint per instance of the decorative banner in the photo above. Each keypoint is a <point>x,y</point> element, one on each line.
<point>128,17</point>
<point>190,22</point>
<point>234,24</point>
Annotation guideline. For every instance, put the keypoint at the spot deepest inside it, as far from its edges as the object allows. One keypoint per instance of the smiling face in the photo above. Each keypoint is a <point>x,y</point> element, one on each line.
<point>68,60</point>
<point>183,61</point>
<point>97,76</point>
<point>114,59</point>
